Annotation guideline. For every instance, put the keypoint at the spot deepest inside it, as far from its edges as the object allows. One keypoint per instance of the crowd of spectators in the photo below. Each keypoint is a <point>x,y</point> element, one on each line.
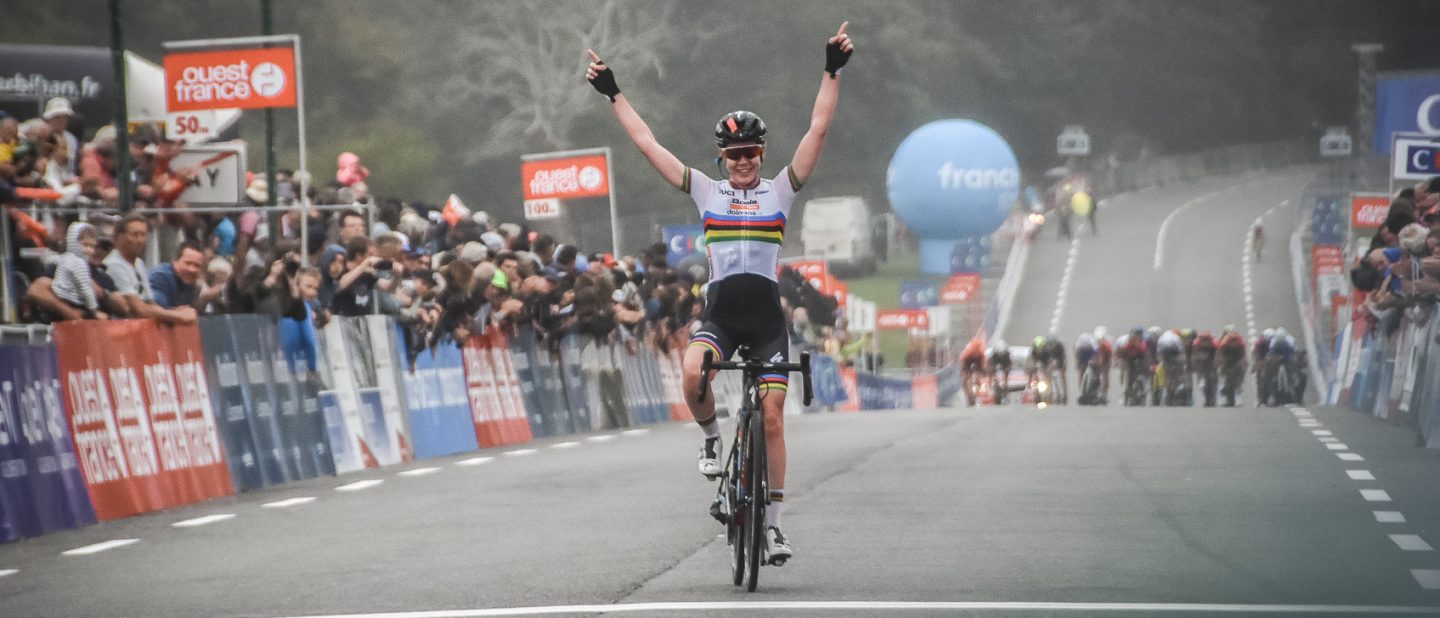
<point>1401,267</point>
<point>443,272</point>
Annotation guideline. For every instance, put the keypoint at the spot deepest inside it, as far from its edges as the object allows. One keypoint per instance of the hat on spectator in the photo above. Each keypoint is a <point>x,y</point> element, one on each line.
<point>493,241</point>
<point>500,280</point>
<point>58,106</point>
<point>259,190</point>
<point>481,217</point>
<point>473,252</point>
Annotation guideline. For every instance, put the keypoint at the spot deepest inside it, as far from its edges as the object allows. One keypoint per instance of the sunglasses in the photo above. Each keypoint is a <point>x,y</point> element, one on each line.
<point>750,151</point>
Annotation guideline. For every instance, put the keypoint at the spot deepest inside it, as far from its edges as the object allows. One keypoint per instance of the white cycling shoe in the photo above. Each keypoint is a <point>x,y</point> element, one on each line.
<point>710,458</point>
<point>777,546</point>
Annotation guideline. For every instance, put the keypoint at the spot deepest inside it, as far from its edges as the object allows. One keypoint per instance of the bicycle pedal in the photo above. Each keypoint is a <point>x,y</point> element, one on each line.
<point>779,562</point>
<point>711,477</point>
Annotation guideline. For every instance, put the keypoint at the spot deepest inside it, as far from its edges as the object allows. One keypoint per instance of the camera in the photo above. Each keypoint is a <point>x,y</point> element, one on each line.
<point>292,266</point>
<point>383,268</point>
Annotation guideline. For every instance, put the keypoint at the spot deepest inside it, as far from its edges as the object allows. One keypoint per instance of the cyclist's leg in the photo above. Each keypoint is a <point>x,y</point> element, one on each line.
<point>773,345</point>
<point>714,340</point>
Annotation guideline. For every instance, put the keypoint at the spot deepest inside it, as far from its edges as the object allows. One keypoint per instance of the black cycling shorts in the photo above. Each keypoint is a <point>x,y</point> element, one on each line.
<point>745,310</point>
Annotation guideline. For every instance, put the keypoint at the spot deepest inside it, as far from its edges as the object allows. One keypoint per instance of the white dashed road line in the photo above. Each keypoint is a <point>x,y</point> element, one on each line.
<point>1389,517</point>
<point>1360,475</point>
<point>474,461</point>
<point>99,547</point>
<point>201,521</point>
<point>1428,579</point>
<point>1350,456</point>
<point>565,445</point>
<point>635,432</point>
<point>1337,447</point>
<point>420,471</point>
<point>359,485</point>
<point>1328,440</point>
<point>288,502</point>
<point>520,452</point>
<point>1322,432</point>
<point>1374,495</point>
<point>4,572</point>
<point>604,437</point>
<point>1064,290</point>
<point>1411,542</point>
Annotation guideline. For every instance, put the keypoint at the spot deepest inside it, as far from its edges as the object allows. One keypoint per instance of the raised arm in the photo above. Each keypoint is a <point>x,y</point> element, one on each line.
<point>807,155</point>
<point>665,162</point>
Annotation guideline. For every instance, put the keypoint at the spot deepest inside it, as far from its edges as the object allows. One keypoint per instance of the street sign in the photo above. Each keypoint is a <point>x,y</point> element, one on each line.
<point>193,126</point>
<point>219,177</point>
<point>565,178</point>
<point>1073,141</point>
<point>546,208</point>
<point>1335,142</point>
<point>1415,158</point>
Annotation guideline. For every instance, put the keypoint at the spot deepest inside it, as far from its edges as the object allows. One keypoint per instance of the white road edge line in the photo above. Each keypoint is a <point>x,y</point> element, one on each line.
<point>420,471</point>
<point>926,606</point>
<point>474,461</point>
<point>359,485</point>
<point>99,547</point>
<point>5,572</point>
<point>288,502</point>
<point>201,521</point>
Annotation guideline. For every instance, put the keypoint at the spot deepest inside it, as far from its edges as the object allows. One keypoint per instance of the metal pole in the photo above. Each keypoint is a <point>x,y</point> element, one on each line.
<point>122,116</point>
<point>1365,108</point>
<point>267,26</point>
<point>614,219</point>
<point>8,310</point>
<point>304,166</point>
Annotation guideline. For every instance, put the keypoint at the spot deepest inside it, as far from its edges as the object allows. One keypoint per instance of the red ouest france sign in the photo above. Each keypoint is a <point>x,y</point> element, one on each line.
<point>231,78</point>
<point>566,178</point>
<point>960,289</point>
<point>1368,210</point>
<point>901,319</point>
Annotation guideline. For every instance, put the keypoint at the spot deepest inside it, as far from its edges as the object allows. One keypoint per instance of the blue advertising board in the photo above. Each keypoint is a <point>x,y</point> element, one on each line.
<point>41,488</point>
<point>1406,103</point>
<point>682,241</point>
<point>919,293</point>
<point>440,421</point>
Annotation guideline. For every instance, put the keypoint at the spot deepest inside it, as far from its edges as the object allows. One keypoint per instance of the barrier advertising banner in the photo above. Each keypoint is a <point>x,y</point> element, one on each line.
<point>1368,210</point>
<point>386,356</point>
<point>825,381</point>
<point>496,405</point>
<point>902,319</point>
<point>41,488</point>
<point>435,397</point>
<point>141,416</point>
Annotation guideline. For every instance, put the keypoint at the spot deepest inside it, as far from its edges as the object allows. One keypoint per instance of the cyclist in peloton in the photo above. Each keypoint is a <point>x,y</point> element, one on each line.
<point>1134,356</point>
<point>972,365</point>
<point>1202,364</point>
<point>1279,353</point>
<point>1086,350</point>
<point>1170,349</point>
<point>1232,363</point>
<point>1261,349</point>
<point>999,364</point>
<point>1107,355</point>
<point>744,221</point>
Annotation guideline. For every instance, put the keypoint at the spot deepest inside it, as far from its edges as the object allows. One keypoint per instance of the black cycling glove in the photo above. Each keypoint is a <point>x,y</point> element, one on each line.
<point>604,83</point>
<point>835,58</point>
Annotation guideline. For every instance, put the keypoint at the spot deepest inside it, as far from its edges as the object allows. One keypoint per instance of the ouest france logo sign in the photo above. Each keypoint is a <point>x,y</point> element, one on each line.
<point>232,78</point>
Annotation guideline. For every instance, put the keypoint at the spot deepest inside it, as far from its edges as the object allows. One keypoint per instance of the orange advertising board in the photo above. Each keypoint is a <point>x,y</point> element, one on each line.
<point>901,319</point>
<point>232,78</point>
<point>566,178</point>
<point>1368,210</point>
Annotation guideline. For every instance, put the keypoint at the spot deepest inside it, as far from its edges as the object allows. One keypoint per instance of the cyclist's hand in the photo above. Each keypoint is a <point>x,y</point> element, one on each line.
<point>837,50</point>
<point>601,77</point>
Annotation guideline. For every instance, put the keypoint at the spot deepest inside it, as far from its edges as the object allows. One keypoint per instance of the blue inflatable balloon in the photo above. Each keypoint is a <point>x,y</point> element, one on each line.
<point>952,179</point>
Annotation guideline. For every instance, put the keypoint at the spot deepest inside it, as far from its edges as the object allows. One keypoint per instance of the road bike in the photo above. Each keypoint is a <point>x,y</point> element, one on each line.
<point>974,386</point>
<point>1207,380</point>
<point>1135,384</point>
<point>1233,382</point>
<point>744,490</point>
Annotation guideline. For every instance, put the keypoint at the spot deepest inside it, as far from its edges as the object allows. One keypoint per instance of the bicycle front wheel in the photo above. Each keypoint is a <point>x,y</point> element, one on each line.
<point>759,496</point>
<point>739,513</point>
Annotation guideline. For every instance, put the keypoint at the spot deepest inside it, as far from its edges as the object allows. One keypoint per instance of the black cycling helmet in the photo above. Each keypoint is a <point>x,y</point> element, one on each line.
<point>740,127</point>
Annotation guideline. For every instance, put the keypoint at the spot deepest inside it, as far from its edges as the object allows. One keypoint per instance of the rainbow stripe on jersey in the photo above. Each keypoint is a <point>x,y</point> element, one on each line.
<point>762,228</point>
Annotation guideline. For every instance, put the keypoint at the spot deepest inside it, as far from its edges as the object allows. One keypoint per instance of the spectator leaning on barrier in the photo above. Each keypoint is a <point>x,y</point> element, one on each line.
<point>177,283</point>
<point>353,290</point>
<point>132,279</point>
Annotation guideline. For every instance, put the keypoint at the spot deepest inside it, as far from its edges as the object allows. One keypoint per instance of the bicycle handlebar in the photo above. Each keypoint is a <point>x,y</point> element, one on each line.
<point>710,364</point>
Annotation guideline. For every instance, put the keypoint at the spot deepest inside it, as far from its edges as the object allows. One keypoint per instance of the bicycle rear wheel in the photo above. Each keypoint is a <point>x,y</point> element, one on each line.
<point>736,527</point>
<point>759,495</point>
